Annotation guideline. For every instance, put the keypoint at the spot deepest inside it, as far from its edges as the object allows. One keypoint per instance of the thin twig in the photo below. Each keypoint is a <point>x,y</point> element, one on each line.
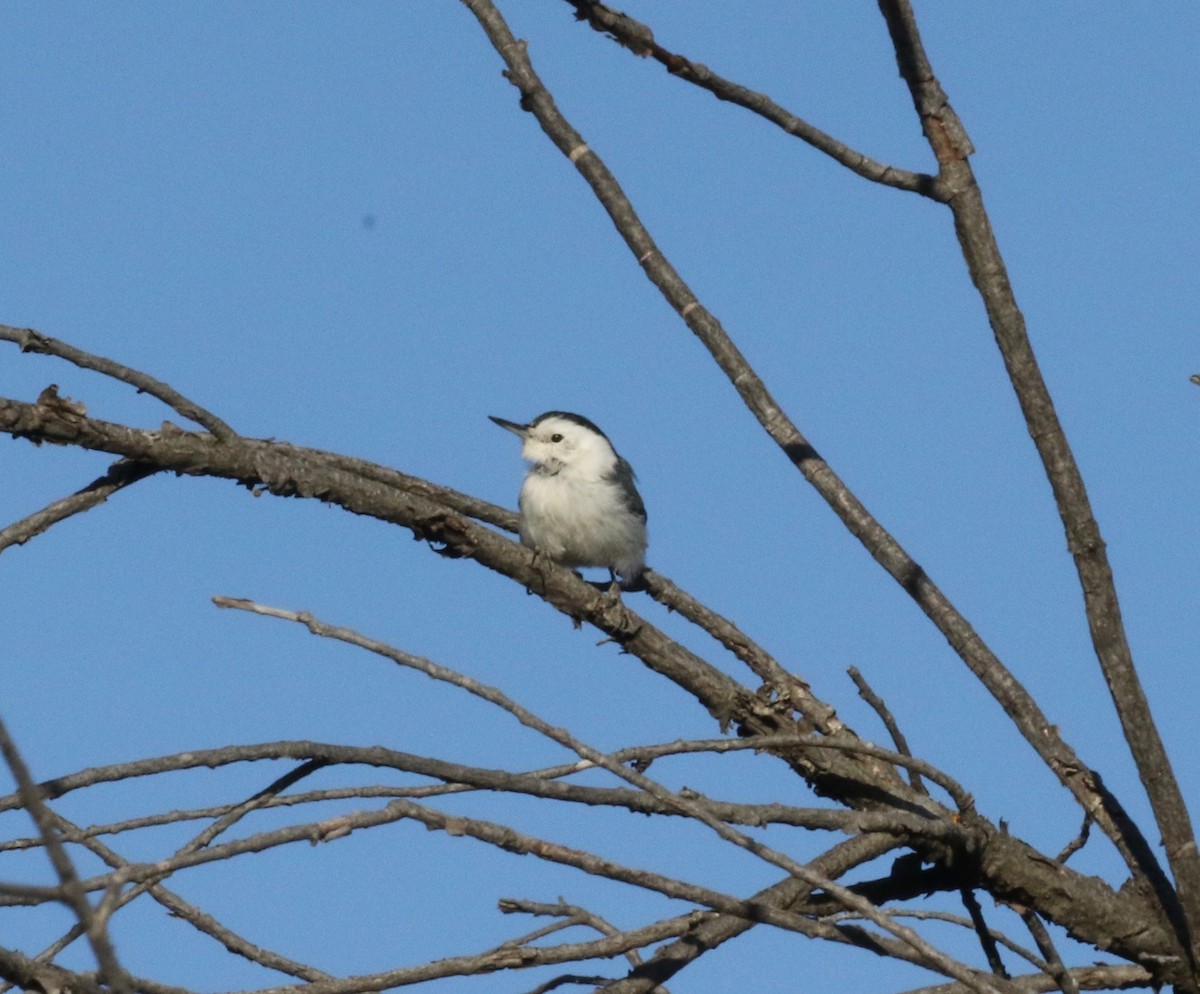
<point>120,474</point>
<point>927,914</point>
<point>259,800</point>
<point>712,930</point>
<point>889,722</point>
<point>571,915</point>
<point>182,909</point>
<point>1054,963</point>
<point>177,907</point>
<point>639,39</point>
<point>986,938</point>
<point>1077,843</point>
<point>34,341</point>
<point>787,690</point>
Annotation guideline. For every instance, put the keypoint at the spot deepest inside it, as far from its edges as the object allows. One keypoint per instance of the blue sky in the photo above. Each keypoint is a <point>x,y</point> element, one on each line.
<point>331,224</point>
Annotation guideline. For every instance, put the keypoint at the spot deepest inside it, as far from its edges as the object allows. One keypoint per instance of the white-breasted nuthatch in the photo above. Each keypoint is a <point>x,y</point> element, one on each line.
<point>579,505</point>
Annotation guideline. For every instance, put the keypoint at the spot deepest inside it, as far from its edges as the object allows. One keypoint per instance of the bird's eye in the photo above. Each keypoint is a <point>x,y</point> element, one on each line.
<point>556,437</point>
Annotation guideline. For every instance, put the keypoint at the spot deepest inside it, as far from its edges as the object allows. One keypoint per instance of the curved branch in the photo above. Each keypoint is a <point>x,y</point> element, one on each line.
<point>639,39</point>
<point>878,705</point>
<point>34,341</point>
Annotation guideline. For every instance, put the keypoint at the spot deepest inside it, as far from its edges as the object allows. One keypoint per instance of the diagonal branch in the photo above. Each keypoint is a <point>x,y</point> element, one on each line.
<point>73,891</point>
<point>716,930</point>
<point>292,471</point>
<point>639,39</point>
<point>34,341</point>
<point>1054,963</point>
<point>120,474</point>
<point>950,144</point>
<point>877,704</point>
<point>786,689</point>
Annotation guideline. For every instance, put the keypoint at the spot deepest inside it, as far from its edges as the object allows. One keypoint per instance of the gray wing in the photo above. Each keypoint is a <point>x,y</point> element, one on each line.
<point>622,475</point>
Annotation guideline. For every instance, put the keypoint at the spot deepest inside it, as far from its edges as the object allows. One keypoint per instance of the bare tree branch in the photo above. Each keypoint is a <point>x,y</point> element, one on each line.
<point>949,141</point>
<point>74,894</point>
<point>570,915</point>
<point>785,689</point>
<point>34,341</point>
<point>183,910</point>
<point>1054,963</point>
<point>936,842</point>
<point>715,930</point>
<point>995,937</point>
<point>987,939</point>
<point>461,776</point>
<point>1089,978</point>
<point>889,722</point>
<point>120,474</point>
<point>292,471</point>
<point>1076,843</point>
<point>639,39</point>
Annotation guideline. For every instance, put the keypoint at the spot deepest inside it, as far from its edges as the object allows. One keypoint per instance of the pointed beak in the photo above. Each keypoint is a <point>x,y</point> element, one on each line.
<point>516,429</point>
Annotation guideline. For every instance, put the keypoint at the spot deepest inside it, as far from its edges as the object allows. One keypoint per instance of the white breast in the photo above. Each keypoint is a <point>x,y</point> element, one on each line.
<point>580,522</point>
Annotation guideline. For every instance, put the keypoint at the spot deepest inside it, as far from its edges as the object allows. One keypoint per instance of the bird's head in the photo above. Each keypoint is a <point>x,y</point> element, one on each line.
<point>558,441</point>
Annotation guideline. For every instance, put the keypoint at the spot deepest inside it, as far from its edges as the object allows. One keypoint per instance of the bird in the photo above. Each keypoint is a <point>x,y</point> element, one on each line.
<point>580,506</point>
